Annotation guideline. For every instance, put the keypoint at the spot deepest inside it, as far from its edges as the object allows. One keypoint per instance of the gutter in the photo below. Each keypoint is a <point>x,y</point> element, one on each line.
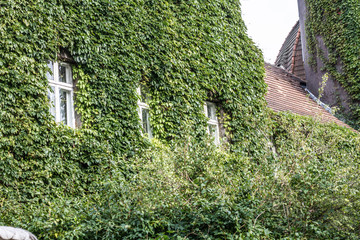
<point>317,100</point>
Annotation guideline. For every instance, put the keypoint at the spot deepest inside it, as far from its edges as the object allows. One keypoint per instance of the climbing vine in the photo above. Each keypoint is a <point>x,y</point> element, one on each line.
<point>279,178</point>
<point>338,23</point>
<point>186,52</point>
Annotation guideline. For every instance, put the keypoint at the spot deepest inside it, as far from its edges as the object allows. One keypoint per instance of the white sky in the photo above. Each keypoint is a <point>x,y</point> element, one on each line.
<point>269,22</point>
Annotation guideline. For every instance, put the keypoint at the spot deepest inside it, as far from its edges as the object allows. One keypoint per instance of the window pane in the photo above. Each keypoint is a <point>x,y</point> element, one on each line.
<point>50,75</point>
<point>51,97</point>
<point>213,130</point>
<point>62,73</point>
<point>211,111</point>
<point>63,106</point>
<point>145,118</point>
<point>144,96</point>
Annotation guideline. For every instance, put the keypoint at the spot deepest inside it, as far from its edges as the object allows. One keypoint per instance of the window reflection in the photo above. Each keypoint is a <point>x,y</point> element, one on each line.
<point>62,74</point>
<point>63,106</point>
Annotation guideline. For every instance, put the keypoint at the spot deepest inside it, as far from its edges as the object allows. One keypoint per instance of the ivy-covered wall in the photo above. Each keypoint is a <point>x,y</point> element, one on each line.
<point>333,40</point>
<point>280,178</point>
<point>186,52</point>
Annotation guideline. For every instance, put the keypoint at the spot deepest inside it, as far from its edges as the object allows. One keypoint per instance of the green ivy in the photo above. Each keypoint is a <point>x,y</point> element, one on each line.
<point>279,176</point>
<point>186,52</point>
<point>338,23</point>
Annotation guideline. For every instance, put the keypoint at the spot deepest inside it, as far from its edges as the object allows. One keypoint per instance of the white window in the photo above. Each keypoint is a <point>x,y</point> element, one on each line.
<point>213,124</point>
<point>61,93</point>
<point>144,113</point>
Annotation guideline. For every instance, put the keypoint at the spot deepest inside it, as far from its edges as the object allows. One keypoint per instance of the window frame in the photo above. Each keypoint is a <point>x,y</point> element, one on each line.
<point>212,121</point>
<point>55,87</point>
<point>143,106</point>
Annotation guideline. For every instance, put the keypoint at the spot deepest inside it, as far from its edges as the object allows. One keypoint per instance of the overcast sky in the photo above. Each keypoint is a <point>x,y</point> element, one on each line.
<point>269,22</point>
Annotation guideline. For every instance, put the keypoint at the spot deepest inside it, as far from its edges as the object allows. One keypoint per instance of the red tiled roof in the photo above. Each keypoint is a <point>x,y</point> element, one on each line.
<point>286,94</point>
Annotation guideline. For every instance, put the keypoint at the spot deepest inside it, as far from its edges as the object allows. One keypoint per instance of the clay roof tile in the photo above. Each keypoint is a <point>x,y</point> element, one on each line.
<point>285,93</point>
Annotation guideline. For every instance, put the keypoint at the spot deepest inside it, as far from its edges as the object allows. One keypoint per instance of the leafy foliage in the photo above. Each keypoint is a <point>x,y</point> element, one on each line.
<point>186,52</point>
<point>311,189</point>
<point>305,187</point>
<point>105,181</point>
<point>338,23</point>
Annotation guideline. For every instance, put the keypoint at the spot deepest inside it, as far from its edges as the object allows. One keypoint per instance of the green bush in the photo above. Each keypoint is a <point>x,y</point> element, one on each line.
<point>311,188</point>
<point>304,187</point>
<point>279,176</point>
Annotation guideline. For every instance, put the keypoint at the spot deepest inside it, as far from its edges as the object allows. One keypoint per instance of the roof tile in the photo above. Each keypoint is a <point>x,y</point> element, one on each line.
<point>286,94</point>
